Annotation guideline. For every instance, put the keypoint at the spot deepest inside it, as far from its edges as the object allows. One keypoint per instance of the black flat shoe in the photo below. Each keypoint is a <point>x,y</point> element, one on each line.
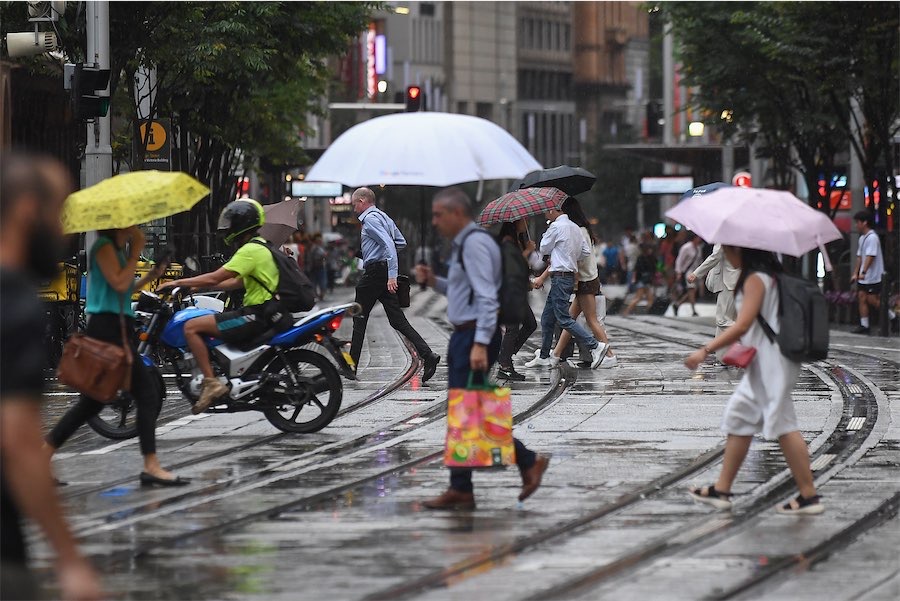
<point>151,480</point>
<point>430,366</point>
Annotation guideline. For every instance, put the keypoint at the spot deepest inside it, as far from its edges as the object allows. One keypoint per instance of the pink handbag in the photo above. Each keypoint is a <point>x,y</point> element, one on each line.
<point>739,355</point>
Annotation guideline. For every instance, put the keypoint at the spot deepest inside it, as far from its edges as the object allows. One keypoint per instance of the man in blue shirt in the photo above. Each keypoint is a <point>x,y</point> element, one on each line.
<point>472,307</point>
<point>380,241</point>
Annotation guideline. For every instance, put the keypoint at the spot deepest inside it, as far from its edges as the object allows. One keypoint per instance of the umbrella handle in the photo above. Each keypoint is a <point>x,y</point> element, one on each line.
<point>828,266</point>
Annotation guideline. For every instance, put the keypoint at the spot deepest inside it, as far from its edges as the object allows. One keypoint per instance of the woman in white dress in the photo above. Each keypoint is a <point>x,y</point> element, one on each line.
<point>762,400</point>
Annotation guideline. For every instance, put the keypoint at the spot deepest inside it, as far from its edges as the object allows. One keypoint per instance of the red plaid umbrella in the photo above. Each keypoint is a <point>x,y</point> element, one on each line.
<point>521,204</point>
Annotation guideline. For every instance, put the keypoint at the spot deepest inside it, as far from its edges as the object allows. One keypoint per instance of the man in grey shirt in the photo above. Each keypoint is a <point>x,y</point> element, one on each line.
<point>472,306</point>
<point>380,240</point>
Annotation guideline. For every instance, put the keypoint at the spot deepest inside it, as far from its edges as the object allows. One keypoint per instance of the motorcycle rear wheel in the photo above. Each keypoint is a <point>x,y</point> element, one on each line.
<point>302,410</point>
<point>118,420</point>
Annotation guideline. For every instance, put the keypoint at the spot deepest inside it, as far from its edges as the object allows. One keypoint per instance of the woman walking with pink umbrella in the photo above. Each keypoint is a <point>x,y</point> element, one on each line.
<point>752,224</point>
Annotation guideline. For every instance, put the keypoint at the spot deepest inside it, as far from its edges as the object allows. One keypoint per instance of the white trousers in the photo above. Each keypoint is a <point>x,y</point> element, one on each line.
<point>726,313</point>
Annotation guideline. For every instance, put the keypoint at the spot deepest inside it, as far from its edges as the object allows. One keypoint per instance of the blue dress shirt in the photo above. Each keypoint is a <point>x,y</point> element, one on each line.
<point>473,294</point>
<point>381,239</point>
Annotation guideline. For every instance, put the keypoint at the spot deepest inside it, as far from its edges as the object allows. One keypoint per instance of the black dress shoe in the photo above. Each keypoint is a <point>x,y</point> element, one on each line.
<point>431,364</point>
<point>151,480</point>
<point>860,330</point>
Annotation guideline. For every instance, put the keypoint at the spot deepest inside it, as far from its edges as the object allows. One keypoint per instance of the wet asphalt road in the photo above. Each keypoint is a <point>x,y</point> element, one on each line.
<point>337,514</point>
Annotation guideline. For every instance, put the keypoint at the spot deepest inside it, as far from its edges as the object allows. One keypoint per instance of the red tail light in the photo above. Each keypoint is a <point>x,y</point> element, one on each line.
<point>335,323</point>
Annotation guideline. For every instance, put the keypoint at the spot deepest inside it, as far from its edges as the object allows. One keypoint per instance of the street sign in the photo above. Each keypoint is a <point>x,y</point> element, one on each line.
<point>303,188</point>
<point>158,154</point>
<point>666,185</point>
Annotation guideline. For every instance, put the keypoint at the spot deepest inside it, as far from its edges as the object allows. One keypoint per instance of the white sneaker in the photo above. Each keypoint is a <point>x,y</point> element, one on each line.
<point>598,354</point>
<point>609,362</point>
<point>538,362</point>
<point>554,361</point>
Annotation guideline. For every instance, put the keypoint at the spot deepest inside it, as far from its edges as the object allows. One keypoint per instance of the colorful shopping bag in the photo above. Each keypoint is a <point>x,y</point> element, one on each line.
<point>479,427</point>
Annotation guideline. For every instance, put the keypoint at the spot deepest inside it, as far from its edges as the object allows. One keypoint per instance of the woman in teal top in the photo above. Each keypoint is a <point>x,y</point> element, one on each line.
<point>111,273</point>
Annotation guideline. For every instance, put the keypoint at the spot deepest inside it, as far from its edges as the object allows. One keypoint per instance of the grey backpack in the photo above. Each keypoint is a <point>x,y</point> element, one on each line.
<point>804,319</point>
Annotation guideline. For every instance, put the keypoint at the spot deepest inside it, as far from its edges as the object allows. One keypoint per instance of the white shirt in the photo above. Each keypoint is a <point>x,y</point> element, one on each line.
<point>688,258</point>
<point>870,246</point>
<point>565,245</point>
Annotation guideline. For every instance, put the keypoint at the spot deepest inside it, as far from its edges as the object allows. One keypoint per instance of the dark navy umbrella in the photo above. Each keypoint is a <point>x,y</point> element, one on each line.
<point>571,180</point>
<point>704,189</point>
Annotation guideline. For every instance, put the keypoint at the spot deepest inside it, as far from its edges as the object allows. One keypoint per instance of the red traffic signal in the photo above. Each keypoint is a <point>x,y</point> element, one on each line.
<point>742,179</point>
<point>414,97</point>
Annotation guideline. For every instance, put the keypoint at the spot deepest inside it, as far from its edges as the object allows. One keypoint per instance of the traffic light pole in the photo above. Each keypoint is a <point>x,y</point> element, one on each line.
<point>97,165</point>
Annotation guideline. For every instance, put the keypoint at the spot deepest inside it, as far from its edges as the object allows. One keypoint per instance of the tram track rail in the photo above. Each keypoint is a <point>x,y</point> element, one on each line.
<point>700,530</point>
<point>379,395</point>
<point>305,463</point>
<point>558,387</point>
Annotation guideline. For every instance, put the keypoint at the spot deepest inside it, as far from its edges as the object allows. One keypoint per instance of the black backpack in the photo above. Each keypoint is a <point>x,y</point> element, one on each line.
<point>804,319</point>
<point>514,281</point>
<point>295,292</point>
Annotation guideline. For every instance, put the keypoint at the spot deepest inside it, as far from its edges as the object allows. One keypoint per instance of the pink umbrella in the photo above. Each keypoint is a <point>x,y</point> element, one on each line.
<point>757,218</point>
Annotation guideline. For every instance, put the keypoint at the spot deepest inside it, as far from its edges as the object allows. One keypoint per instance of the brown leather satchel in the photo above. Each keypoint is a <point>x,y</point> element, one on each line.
<point>97,369</point>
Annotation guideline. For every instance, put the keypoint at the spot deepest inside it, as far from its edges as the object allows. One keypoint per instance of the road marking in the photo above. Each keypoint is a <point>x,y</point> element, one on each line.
<point>856,423</point>
<point>822,461</point>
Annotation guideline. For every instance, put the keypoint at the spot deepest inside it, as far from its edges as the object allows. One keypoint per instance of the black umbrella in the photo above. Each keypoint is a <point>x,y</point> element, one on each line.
<point>703,189</point>
<point>571,180</point>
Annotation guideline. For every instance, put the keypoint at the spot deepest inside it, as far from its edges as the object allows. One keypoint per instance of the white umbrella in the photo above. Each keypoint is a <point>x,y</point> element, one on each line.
<point>423,149</point>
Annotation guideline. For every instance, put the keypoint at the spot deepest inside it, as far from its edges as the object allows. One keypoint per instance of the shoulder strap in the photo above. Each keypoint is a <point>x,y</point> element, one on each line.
<point>256,279</point>
<point>462,243</point>
<point>770,333</point>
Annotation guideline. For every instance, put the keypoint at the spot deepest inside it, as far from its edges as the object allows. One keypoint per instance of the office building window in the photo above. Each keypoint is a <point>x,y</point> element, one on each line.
<point>567,37</point>
<point>426,9</point>
<point>485,110</point>
<point>462,108</point>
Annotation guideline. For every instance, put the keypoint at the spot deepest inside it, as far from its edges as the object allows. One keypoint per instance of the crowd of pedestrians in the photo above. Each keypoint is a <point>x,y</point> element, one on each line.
<point>569,258</point>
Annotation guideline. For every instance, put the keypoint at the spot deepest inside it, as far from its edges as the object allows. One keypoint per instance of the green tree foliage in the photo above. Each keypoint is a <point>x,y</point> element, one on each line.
<point>787,71</point>
<point>239,79</point>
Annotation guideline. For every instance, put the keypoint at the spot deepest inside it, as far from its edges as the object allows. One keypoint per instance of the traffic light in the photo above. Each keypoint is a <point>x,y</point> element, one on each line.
<point>415,99</point>
<point>86,82</point>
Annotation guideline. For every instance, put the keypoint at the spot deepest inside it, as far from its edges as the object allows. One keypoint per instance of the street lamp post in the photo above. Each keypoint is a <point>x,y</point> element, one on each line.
<point>97,165</point>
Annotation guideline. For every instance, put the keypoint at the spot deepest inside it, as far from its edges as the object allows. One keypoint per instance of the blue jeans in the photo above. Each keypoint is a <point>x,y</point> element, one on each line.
<point>556,311</point>
<point>458,377</point>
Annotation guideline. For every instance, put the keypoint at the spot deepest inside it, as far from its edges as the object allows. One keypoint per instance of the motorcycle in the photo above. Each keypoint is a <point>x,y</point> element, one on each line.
<point>297,389</point>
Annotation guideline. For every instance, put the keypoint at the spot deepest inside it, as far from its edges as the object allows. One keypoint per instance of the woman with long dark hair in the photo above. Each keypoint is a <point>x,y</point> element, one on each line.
<point>587,289</point>
<point>111,282</point>
<point>762,400</point>
<point>514,337</point>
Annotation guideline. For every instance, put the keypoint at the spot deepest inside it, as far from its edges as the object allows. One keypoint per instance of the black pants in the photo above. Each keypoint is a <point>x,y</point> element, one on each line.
<point>105,327</point>
<point>372,287</point>
<point>458,369</point>
<point>515,337</point>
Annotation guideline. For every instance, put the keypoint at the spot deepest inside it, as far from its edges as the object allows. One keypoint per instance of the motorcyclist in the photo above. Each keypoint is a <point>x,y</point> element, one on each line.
<point>253,268</point>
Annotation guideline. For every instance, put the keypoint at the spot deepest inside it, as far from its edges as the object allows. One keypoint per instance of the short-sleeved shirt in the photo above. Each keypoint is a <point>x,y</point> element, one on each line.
<point>101,297</point>
<point>254,262</point>
<point>870,246</point>
<point>22,363</point>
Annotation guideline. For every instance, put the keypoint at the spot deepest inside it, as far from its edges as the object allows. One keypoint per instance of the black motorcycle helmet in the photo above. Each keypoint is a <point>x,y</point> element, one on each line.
<point>240,217</point>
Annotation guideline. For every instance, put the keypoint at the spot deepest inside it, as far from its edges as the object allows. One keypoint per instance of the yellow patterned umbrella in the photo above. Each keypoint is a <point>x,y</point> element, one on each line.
<point>130,199</point>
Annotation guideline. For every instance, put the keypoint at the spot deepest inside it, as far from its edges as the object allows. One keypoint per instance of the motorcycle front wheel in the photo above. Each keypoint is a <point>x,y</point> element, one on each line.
<point>118,420</point>
<point>313,402</point>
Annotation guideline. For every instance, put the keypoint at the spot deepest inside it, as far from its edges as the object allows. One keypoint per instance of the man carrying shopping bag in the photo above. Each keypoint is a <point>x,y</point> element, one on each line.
<point>472,306</point>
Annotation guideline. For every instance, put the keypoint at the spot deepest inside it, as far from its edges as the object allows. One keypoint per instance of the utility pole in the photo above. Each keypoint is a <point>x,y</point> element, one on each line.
<point>97,165</point>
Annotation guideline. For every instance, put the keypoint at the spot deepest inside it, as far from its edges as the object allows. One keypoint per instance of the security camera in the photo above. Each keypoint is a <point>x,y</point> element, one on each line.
<point>28,43</point>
